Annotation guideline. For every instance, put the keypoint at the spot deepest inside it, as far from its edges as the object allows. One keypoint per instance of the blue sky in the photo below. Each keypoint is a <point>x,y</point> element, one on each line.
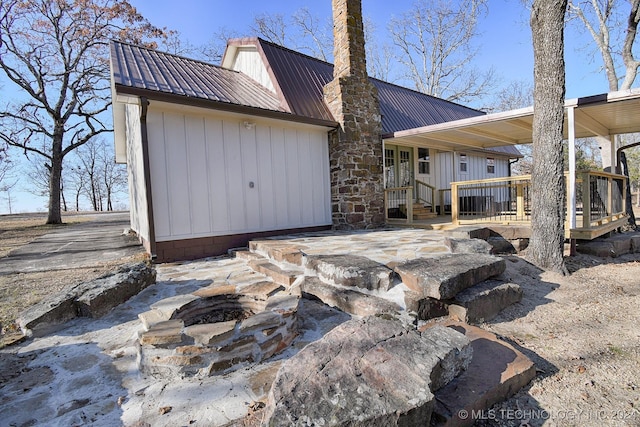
<point>504,42</point>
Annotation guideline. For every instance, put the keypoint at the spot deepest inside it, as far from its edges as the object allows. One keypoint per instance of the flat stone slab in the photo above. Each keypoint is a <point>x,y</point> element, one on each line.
<point>484,301</point>
<point>467,246</point>
<point>367,372</point>
<point>496,372</point>
<point>89,299</point>
<point>279,275</point>
<point>468,232</point>
<point>348,300</point>
<point>351,270</point>
<point>613,247</point>
<point>444,277</point>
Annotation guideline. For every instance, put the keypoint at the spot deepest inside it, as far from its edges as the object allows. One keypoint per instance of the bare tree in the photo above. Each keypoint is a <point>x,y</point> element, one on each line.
<point>435,45</point>
<point>55,52</point>
<point>97,176</point>
<point>614,34</point>
<point>380,56</point>
<point>213,50</point>
<point>547,179</point>
<point>272,27</point>
<point>302,32</point>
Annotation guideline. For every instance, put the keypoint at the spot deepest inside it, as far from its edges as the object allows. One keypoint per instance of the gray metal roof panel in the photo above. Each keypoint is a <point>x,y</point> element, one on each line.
<point>141,68</point>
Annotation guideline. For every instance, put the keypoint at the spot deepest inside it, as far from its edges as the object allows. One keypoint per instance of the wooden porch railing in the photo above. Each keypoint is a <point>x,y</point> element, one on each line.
<point>502,200</point>
<point>600,202</point>
<point>426,194</point>
<point>398,204</point>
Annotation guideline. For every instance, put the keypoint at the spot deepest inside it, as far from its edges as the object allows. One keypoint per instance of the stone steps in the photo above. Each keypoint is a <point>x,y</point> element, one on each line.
<point>361,286</point>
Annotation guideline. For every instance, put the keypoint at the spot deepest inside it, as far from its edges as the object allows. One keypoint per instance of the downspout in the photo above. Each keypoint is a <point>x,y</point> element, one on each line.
<point>619,150</point>
<point>512,162</point>
<point>144,102</point>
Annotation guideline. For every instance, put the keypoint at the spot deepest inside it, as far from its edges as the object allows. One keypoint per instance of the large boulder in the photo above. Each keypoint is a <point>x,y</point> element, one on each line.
<point>368,372</point>
<point>351,270</point>
<point>442,278</point>
<point>93,299</point>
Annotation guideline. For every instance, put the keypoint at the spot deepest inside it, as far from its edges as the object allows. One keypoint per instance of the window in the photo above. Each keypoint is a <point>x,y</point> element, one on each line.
<point>463,163</point>
<point>491,165</point>
<point>424,161</point>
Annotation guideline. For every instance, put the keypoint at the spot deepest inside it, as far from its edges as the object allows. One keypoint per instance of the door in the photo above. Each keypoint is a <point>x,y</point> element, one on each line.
<point>398,166</point>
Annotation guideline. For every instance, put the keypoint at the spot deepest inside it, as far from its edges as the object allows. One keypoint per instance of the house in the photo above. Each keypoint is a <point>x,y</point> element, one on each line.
<point>218,155</point>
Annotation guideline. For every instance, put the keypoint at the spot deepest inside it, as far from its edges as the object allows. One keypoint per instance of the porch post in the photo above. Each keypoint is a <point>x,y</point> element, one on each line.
<point>571,191</point>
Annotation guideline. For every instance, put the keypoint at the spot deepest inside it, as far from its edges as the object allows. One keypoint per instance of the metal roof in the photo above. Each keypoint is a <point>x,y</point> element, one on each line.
<point>302,78</point>
<point>141,68</point>
<point>600,115</point>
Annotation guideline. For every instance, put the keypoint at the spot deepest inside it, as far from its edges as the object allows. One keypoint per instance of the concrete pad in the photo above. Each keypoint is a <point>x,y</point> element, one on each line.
<point>80,245</point>
<point>496,372</point>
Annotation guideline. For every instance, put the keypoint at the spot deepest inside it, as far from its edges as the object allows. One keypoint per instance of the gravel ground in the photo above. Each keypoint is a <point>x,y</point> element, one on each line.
<point>582,331</point>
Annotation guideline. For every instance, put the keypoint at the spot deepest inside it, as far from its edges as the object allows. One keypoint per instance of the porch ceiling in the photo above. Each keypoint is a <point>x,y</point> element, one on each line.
<point>599,115</point>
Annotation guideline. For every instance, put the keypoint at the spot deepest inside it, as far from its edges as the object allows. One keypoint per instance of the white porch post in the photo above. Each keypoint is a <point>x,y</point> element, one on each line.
<point>607,152</point>
<point>572,167</point>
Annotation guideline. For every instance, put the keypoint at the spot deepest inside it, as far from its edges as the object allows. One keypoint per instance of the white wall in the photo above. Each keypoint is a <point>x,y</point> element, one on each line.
<point>248,61</point>
<point>135,172</point>
<point>448,168</point>
<point>203,164</point>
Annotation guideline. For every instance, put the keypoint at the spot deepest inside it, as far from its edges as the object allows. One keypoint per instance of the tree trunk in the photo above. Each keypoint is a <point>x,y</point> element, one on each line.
<point>546,248</point>
<point>55,177</point>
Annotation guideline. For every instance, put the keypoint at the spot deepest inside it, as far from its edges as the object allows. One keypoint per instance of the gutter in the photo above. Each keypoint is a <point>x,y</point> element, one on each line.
<point>223,106</point>
<point>144,102</point>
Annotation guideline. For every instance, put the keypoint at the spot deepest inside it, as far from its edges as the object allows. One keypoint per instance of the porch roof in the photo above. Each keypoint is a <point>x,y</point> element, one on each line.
<point>599,115</point>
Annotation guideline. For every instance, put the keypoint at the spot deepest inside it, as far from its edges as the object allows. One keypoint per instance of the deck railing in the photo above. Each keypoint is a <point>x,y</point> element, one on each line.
<point>398,204</point>
<point>600,202</point>
<point>425,194</point>
<point>503,200</point>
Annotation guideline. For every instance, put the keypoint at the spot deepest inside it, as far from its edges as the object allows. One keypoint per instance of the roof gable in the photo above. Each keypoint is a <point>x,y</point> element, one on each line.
<point>300,80</point>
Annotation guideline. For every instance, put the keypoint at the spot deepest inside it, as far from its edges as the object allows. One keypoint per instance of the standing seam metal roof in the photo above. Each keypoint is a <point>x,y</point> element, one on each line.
<point>302,79</point>
<point>141,68</point>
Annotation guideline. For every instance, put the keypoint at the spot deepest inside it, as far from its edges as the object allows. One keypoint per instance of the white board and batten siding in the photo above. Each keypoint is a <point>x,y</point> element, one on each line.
<point>449,170</point>
<point>215,173</point>
<point>135,171</point>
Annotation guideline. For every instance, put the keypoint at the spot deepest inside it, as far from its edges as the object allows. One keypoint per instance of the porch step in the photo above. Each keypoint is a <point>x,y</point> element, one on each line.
<point>423,212</point>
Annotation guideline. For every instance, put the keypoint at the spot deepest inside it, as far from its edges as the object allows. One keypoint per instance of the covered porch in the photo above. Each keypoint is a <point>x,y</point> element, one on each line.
<point>595,199</point>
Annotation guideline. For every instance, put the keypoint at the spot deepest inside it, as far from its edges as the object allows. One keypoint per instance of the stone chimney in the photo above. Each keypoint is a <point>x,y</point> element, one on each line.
<point>355,149</point>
